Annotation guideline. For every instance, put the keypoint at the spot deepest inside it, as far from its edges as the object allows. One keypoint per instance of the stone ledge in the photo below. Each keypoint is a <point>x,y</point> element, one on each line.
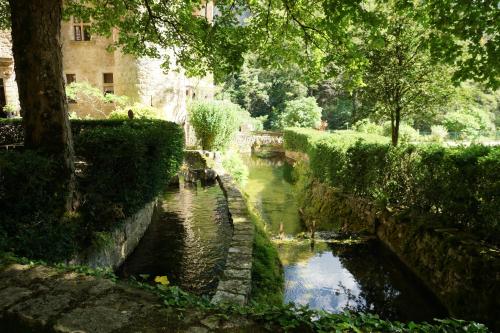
<point>124,240</point>
<point>236,281</point>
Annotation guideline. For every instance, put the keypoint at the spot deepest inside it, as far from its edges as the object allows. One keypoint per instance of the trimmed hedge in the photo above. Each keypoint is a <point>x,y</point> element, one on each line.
<point>121,165</point>
<point>461,185</point>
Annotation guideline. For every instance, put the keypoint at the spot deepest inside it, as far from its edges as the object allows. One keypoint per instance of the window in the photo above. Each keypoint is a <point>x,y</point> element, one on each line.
<point>81,30</point>
<point>108,81</point>
<point>70,78</point>
<point>3,100</point>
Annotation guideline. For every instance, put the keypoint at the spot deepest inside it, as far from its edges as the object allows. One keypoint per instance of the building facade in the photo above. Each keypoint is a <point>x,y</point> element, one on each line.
<point>86,59</point>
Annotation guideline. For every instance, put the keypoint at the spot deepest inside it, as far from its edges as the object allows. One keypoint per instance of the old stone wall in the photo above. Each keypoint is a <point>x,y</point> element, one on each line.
<point>463,272</point>
<point>236,281</point>
<point>120,242</point>
<point>7,69</point>
<point>141,79</point>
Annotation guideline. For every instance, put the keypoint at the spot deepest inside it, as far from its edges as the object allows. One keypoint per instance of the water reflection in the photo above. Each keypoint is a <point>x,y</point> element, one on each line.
<point>187,240</point>
<point>334,277</point>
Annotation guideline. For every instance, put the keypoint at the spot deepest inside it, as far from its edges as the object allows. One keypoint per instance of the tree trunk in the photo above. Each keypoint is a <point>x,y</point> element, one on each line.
<point>395,121</point>
<point>36,45</point>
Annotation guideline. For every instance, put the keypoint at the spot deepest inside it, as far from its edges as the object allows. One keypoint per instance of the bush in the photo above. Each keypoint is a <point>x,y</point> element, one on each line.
<point>300,112</point>
<point>456,184</point>
<point>126,164</point>
<point>366,126</point>
<point>233,164</point>
<point>215,123</point>
<point>32,206</point>
<point>438,133</point>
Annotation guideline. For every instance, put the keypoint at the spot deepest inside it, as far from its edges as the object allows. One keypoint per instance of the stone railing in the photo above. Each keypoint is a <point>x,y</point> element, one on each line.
<point>236,281</point>
<point>245,141</point>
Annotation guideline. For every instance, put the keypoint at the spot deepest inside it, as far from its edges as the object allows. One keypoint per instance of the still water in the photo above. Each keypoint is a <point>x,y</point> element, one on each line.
<point>187,240</point>
<point>333,276</point>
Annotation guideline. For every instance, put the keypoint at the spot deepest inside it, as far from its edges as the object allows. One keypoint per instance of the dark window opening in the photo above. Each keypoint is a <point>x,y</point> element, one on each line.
<point>108,77</point>
<point>81,30</point>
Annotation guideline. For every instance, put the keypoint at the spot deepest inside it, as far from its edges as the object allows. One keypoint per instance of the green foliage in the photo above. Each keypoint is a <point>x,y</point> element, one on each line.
<point>267,271</point>
<point>366,126</point>
<point>234,165</point>
<point>264,91</point>
<point>140,111</point>
<point>215,123</point>
<point>430,179</point>
<point>407,133</point>
<point>32,207</point>
<point>301,112</point>
<point>469,123</point>
<point>98,102</point>
<point>438,133</point>
<point>125,165</point>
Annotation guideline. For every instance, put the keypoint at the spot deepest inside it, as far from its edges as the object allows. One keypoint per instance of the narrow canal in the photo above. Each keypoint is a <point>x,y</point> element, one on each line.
<point>333,276</point>
<point>187,240</point>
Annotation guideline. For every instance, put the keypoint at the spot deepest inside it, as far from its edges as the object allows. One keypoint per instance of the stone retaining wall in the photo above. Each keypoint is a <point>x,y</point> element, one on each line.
<point>236,281</point>
<point>122,241</point>
<point>462,272</point>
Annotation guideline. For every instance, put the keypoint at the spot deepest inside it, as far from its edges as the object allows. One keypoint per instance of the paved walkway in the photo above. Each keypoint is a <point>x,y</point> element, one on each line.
<point>41,299</point>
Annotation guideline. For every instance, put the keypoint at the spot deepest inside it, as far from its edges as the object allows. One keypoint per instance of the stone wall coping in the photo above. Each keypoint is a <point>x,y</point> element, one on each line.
<point>236,281</point>
<point>123,240</point>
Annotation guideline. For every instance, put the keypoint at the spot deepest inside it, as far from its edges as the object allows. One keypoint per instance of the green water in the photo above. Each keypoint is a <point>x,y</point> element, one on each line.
<point>331,276</point>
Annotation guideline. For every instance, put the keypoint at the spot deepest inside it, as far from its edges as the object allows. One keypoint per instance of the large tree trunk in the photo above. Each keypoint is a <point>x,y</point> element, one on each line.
<point>36,45</point>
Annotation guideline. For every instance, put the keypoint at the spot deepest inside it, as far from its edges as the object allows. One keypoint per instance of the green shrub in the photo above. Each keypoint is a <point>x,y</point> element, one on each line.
<point>32,206</point>
<point>366,126</point>
<point>126,164</point>
<point>234,165</point>
<point>438,133</point>
<point>459,185</point>
<point>215,123</point>
<point>300,112</point>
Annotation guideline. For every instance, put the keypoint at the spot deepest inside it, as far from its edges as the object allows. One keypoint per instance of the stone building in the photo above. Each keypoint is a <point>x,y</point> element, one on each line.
<point>8,86</point>
<point>85,58</point>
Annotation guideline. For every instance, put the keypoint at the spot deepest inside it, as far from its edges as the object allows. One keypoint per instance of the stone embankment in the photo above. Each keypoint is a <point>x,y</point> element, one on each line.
<point>463,272</point>
<point>236,281</point>
<point>119,243</point>
<point>41,299</point>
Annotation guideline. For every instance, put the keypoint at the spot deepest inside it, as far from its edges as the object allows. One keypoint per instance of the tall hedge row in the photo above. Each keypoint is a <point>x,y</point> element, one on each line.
<point>121,165</point>
<point>459,185</point>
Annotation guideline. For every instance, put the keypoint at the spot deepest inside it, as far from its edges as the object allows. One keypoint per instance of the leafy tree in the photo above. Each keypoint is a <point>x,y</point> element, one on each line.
<point>300,112</point>
<point>400,75</point>
<point>36,28</point>
<point>264,91</point>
